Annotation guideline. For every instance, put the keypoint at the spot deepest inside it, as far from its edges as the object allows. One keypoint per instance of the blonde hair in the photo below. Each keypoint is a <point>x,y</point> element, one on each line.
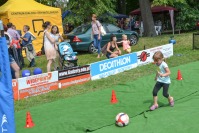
<point>94,15</point>
<point>158,56</point>
<point>124,35</point>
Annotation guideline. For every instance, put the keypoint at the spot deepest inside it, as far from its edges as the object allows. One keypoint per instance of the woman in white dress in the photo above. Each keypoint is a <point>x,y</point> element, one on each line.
<point>49,45</point>
<point>57,36</point>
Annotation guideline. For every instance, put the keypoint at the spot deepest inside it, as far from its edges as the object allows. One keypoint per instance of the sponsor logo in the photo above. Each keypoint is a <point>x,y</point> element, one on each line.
<point>3,122</point>
<point>115,63</point>
<point>34,80</point>
<point>143,56</point>
<point>74,72</point>
<point>74,82</point>
<point>166,49</point>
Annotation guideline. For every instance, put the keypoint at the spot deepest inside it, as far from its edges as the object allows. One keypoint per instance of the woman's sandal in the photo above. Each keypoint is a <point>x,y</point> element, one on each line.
<point>153,107</point>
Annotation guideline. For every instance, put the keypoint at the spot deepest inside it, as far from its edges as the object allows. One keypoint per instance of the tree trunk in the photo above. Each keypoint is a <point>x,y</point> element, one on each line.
<point>121,6</point>
<point>147,18</point>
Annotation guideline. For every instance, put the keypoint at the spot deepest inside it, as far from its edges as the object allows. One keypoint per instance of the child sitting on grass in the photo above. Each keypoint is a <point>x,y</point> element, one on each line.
<point>126,44</point>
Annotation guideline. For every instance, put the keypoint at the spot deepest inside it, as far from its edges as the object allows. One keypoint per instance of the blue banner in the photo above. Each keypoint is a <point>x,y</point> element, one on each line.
<point>7,123</point>
<point>113,66</point>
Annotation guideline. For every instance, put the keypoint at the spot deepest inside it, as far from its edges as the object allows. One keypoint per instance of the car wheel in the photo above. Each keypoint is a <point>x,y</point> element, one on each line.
<point>133,40</point>
<point>92,48</point>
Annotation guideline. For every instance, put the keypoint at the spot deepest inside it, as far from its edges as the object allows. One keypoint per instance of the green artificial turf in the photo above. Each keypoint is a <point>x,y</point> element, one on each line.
<point>93,111</point>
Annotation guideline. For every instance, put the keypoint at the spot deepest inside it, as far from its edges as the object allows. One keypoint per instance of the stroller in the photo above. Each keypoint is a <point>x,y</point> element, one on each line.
<point>66,54</point>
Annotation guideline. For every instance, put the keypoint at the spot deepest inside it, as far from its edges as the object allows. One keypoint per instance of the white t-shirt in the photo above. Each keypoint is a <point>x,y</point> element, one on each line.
<point>95,27</point>
<point>166,79</point>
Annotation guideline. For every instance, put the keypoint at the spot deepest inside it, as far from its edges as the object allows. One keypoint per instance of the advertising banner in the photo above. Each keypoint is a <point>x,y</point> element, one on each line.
<point>77,75</point>
<point>146,56</point>
<point>74,80</point>
<point>113,66</point>
<point>37,84</point>
<point>15,89</point>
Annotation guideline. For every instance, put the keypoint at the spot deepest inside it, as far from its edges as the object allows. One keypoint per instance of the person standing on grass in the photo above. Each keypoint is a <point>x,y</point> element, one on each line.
<point>14,66</point>
<point>57,36</point>
<point>96,32</point>
<point>49,45</point>
<point>26,40</point>
<point>13,33</point>
<point>163,80</point>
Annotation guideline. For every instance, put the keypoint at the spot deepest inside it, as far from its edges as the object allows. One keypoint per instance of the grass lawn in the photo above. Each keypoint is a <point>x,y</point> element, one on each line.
<point>183,54</point>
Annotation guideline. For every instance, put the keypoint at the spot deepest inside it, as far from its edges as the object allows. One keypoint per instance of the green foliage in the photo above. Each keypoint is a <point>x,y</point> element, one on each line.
<point>131,5</point>
<point>189,13</point>
<point>47,2</point>
<point>167,2</point>
<point>82,10</point>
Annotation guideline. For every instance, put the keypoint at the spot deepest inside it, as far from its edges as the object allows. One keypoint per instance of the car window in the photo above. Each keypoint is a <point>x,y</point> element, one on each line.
<point>81,29</point>
<point>112,28</point>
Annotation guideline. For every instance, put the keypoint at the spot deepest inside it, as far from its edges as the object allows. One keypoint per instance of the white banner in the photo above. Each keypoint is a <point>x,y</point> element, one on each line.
<point>146,56</point>
<point>37,80</point>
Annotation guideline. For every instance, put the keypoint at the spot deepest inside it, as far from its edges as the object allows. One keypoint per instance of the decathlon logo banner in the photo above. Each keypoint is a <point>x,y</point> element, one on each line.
<point>113,66</point>
<point>146,56</point>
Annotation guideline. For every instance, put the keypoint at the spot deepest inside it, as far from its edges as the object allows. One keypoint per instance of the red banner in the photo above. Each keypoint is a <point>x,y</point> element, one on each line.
<point>37,90</point>
<point>74,80</point>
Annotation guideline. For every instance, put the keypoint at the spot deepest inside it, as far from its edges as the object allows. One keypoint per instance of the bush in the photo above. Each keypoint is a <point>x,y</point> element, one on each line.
<point>188,15</point>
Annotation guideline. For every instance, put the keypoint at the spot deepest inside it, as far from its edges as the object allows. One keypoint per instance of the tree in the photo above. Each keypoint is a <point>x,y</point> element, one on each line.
<point>126,6</point>
<point>146,14</point>
<point>167,2</point>
<point>121,6</point>
<point>188,15</point>
<point>147,18</point>
<point>83,9</point>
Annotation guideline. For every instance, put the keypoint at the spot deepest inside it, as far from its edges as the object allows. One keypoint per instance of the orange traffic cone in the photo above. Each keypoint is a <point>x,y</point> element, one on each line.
<point>113,97</point>
<point>29,122</point>
<point>179,76</point>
